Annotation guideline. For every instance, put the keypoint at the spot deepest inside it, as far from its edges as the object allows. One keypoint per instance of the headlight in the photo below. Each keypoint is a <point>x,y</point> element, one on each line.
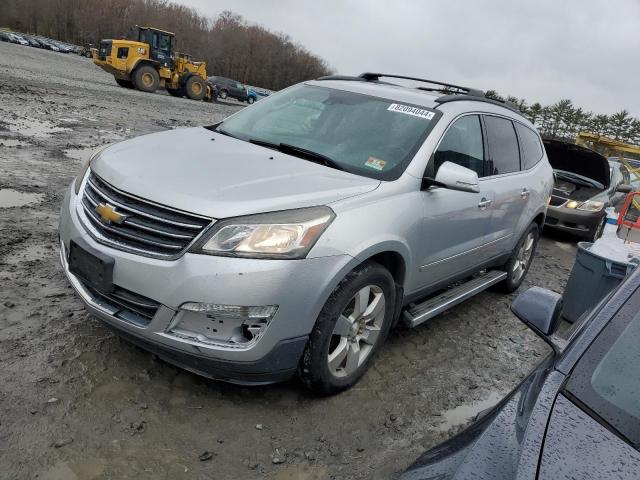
<point>286,234</point>
<point>85,167</point>
<point>591,206</point>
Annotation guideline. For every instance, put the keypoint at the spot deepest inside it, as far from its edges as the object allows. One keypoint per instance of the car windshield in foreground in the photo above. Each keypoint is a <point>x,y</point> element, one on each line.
<point>362,134</point>
<point>607,378</point>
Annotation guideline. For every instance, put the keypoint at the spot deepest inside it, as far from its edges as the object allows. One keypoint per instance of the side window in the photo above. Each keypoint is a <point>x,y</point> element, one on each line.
<point>462,144</point>
<point>530,145</point>
<point>504,154</point>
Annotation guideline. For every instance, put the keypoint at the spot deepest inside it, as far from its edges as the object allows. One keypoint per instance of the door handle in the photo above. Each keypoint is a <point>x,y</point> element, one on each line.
<point>484,203</point>
<point>525,193</point>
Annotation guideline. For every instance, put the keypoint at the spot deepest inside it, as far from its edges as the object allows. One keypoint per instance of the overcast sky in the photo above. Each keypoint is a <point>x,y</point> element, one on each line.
<point>542,50</point>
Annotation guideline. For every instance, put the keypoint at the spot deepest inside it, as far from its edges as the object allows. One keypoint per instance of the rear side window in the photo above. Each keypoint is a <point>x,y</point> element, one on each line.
<point>462,144</point>
<point>504,154</point>
<point>530,145</point>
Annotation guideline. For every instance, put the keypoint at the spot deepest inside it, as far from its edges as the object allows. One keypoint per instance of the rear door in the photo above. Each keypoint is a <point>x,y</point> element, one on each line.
<point>455,223</point>
<point>511,187</point>
<point>238,90</point>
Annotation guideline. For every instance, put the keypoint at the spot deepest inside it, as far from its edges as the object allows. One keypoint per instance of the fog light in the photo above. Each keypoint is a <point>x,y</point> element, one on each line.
<point>214,324</point>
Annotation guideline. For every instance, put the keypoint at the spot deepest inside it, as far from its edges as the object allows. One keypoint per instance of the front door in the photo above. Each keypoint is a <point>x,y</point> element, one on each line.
<point>456,223</point>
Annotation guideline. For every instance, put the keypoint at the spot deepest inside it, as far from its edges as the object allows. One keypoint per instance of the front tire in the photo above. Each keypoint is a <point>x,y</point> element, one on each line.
<point>250,100</point>
<point>520,260</point>
<point>350,329</point>
<point>195,88</point>
<point>597,231</point>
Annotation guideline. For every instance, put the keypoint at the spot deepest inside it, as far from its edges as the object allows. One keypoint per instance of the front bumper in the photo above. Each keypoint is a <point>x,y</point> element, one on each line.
<point>298,287</point>
<point>576,222</point>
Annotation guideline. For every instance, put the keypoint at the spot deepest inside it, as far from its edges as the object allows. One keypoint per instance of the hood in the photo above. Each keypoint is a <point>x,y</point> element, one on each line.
<point>203,172</point>
<point>576,159</point>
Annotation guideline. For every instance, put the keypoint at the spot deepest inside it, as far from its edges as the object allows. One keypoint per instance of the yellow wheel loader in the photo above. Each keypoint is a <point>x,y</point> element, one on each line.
<point>150,63</point>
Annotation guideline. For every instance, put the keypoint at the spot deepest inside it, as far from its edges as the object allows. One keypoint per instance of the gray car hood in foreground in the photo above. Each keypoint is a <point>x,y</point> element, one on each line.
<point>199,171</point>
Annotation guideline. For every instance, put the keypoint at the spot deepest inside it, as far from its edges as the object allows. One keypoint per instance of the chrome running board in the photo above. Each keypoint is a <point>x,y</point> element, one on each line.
<point>418,313</point>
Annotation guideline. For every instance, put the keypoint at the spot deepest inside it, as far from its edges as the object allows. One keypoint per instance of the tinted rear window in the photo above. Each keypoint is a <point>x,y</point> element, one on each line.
<point>504,155</point>
<point>530,145</point>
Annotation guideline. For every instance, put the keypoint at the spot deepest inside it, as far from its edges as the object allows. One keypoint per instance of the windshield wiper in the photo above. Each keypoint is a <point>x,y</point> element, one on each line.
<point>224,132</point>
<point>300,152</point>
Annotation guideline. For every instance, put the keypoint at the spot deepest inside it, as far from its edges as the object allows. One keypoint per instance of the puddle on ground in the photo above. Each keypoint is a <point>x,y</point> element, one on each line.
<point>13,198</point>
<point>78,153</point>
<point>567,247</point>
<point>86,469</point>
<point>12,142</point>
<point>30,127</point>
<point>466,412</point>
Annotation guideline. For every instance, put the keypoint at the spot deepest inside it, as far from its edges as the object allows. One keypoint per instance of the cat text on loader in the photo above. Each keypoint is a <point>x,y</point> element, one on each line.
<point>151,63</point>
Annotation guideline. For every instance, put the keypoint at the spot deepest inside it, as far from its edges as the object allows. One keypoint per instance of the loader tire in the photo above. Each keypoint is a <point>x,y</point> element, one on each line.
<point>146,78</point>
<point>124,83</point>
<point>196,88</point>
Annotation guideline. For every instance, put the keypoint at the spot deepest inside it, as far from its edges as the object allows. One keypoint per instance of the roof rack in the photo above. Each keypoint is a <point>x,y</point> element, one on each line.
<point>453,93</point>
<point>448,87</point>
<point>476,98</point>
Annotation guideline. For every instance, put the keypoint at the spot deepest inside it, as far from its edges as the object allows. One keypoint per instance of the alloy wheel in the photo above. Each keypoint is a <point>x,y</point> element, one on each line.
<point>357,331</point>
<point>523,257</point>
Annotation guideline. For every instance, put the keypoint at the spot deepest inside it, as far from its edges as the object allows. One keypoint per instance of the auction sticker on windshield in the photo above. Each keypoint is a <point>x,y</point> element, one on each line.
<point>376,163</point>
<point>409,110</point>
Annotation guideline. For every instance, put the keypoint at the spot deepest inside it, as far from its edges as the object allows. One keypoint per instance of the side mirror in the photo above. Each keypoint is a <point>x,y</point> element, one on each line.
<point>456,177</point>
<point>539,309</point>
<point>624,188</point>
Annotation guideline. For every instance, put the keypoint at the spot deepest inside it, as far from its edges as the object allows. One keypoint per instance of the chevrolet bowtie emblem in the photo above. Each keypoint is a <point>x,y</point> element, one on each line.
<point>108,214</point>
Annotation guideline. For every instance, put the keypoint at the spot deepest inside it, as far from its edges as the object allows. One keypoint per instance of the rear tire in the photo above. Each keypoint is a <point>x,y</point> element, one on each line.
<point>349,331</point>
<point>146,78</point>
<point>124,83</point>
<point>223,94</point>
<point>520,260</point>
<point>195,88</point>
<point>250,100</point>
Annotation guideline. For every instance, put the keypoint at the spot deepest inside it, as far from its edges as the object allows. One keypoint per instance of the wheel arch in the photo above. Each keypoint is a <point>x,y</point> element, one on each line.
<point>140,62</point>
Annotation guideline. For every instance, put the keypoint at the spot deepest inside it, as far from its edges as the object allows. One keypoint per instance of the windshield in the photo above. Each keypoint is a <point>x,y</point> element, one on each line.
<point>361,134</point>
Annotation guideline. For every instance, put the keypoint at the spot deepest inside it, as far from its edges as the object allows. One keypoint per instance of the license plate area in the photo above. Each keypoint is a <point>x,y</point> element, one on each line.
<point>92,267</point>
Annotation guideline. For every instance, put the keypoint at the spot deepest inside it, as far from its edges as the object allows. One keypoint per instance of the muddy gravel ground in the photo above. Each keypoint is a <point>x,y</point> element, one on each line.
<point>78,402</point>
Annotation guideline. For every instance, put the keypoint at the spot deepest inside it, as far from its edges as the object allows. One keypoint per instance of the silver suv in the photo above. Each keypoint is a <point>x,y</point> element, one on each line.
<point>291,237</point>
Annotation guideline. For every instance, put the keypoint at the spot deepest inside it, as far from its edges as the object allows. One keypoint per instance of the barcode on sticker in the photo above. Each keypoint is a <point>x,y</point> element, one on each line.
<point>409,110</point>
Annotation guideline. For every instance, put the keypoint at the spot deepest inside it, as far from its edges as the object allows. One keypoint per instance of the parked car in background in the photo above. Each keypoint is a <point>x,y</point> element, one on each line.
<point>47,44</point>
<point>294,234</point>
<point>585,184</point>
<point>230,88</point>
<point>254,95</point>
<point>15,38</point>
<point>4,36</point>
<point>577,415</point>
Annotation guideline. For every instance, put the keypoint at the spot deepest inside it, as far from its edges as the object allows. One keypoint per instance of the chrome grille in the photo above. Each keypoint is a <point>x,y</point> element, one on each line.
<point>148,228</point>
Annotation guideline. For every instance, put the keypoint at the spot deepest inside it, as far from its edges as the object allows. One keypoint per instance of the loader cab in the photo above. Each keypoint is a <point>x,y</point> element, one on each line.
<point>160,43</point>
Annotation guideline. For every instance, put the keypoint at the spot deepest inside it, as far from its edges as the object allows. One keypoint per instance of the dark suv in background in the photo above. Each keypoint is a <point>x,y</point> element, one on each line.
<point>229,88</point>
